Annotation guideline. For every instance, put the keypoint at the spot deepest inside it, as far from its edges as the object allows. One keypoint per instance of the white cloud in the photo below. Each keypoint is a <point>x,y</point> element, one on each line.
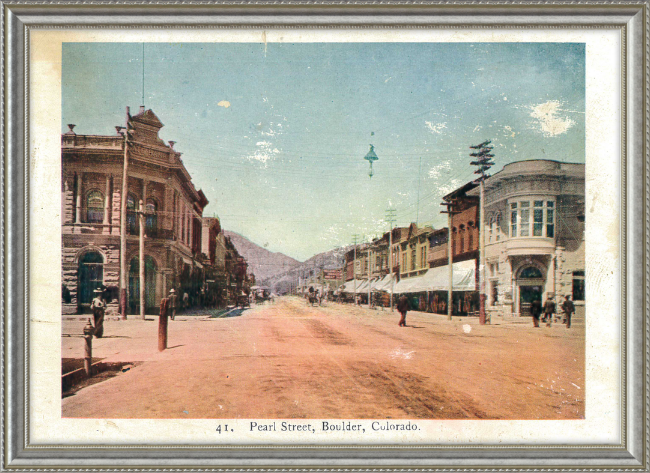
<point>224,104</point>
<point>264,152</point>
<point>437,170</point>
<point>436,127</point>
<point>477,128</point>
<point>549,118</point>
<point>508,129</point>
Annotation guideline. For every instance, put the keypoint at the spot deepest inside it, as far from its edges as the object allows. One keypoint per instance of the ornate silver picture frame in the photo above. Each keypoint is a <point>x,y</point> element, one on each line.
<point>609,429</point>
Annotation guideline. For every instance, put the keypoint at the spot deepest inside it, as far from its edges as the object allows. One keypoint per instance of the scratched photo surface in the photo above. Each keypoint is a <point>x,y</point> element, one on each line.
<point>388,231</point>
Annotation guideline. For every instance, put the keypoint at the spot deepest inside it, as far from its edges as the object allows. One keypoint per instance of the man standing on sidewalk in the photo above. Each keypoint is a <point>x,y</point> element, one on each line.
<point>549,309</point>
<point>568,308</point>
<point>535,311</point>
<point>98,306</point>
<point>402,307</point>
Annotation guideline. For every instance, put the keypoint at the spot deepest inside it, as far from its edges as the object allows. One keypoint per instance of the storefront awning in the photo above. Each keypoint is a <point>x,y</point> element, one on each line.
<point>437,279</point>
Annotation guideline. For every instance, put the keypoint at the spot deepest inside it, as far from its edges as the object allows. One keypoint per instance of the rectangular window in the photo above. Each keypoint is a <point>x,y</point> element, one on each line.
<point>550,227</point>
<point>578,285</point>
<point>495,293</point>
<point>550,204</point>
<point>498,227</point>
<point>538,221</point>
<point>524,222</point>
<point>524,205</point>
<point>513,224</point>
<point>413,259</point>
<point>538,203</point>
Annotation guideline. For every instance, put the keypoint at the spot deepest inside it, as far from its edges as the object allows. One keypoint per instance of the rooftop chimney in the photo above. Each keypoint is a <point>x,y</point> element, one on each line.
<point>141,108</point>
<point>171,144</point>
<point>71,126</point>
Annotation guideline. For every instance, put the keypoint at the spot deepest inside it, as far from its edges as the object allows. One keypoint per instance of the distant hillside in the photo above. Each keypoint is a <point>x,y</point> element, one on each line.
<point>261,262</point>
<point>283,282</point>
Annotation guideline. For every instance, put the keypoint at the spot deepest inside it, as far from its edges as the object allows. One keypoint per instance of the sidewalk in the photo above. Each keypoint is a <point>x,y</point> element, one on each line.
<point>471,320</point>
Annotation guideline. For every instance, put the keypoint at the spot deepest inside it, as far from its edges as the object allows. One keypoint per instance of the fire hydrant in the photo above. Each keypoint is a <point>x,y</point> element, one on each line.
<point>89,330</point>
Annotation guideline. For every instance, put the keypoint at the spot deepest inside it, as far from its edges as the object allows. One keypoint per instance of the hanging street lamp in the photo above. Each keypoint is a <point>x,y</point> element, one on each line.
<point>370,157</point>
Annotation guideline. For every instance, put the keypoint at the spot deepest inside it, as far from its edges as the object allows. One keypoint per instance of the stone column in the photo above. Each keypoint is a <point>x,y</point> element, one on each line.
<point>145,183</point>
<point>107,206</point>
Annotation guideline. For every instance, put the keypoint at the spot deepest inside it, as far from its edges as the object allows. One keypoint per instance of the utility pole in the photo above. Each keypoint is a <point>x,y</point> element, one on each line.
<point>451,210</point>
<point>355,238</point>
<point>141,258</point>
<point>390,218</point>
<point>483,163</point>
<point>417,215</point>
<point>369,266</point>
<point>125,193</point>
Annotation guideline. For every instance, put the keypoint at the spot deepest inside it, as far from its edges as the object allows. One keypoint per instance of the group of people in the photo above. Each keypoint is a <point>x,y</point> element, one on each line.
<point>548,309</point>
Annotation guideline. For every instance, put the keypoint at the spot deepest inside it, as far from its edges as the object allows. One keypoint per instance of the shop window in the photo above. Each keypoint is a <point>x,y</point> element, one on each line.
<point>95,207</point>
<point>578,285</point>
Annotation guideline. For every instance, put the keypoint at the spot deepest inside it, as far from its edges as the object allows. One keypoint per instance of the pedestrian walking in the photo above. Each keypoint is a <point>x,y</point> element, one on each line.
<point>402,307</point>
<point>535,311</point>
<point>568,308</point>
<point>549,310</point>
<point>172,303</point>
<point>98,307</point>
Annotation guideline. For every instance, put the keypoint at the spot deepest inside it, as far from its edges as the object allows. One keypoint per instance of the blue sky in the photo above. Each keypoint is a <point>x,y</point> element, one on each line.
<point>275,135</point>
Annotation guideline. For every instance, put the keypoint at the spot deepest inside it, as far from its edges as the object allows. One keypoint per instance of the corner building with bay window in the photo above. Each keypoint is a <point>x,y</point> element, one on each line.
<point>91,193</point>
<point>534,235</point>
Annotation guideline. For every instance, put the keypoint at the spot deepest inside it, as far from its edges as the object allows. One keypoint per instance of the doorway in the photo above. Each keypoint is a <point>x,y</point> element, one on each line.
<point>528,294</point>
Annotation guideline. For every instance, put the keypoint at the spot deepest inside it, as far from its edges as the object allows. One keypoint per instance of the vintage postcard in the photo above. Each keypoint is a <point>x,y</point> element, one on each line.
<point>286,237</point>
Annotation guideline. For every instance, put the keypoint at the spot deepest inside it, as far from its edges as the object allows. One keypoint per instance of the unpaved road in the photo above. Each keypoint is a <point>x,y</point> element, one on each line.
<point>289,360</point>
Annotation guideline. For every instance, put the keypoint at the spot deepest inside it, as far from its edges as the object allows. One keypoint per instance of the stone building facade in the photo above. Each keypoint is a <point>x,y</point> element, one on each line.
<point>534,235</point>
<point>91,196</point>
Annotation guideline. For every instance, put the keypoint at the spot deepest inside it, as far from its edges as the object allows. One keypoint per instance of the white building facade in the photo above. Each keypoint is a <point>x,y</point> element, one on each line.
<point>534,235</point>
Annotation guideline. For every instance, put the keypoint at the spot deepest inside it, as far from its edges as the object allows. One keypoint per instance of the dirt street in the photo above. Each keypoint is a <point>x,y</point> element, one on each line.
<point>289,360</point>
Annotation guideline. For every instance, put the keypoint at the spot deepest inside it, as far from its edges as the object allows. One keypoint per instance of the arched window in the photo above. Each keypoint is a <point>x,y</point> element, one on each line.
<point>94,207</point>
<point>151,218</point>
<point>470,236</point>
<point>90,276</point>
<point>131,217</point>
<point>461,230</point>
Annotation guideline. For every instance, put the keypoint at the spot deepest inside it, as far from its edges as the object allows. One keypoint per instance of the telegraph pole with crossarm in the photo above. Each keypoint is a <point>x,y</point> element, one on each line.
<point>483,162</point>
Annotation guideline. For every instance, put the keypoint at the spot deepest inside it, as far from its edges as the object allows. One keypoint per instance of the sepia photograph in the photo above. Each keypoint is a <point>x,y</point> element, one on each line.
<point>275,232</point>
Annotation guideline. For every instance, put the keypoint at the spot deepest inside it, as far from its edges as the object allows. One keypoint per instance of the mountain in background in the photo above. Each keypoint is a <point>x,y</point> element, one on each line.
<point>285,281</point>
<point>261,262</point>
<point>279,271</point>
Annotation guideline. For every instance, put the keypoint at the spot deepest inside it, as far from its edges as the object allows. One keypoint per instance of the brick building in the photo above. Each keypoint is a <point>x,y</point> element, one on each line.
<point>92,169</point>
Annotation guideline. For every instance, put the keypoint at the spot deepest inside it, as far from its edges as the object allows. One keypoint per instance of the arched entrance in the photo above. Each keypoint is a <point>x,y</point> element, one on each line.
<point>150,273</point>
<point>530,283</point>
<point>90,276</point>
